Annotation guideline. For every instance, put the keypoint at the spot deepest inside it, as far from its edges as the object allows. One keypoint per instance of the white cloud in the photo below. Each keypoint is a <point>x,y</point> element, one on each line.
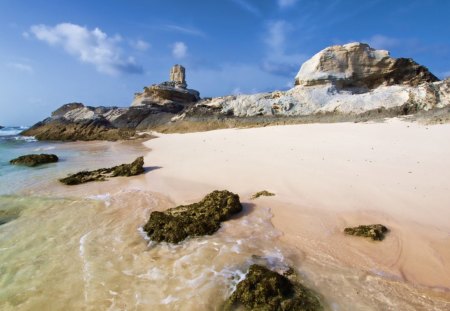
<point>277,59</point>
<point>89,46</point>
<point>21,67</point>
<point>382,42</point>
<point>286,3</point>
<point>186,30</point>
<point>140,45</point>
<point>247,6</point>
<point>179,50</point>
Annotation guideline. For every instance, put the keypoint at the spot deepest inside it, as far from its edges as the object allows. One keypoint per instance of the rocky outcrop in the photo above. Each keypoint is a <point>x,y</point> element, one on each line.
<point>132,169</point>
<point>375,232</point>
<point>1,127</point>
<point>263,193</point>
<point>352,82</point>
<point>203,218</point>
<point>358,66</point>
<point>263,289</point>
<point>32,160</point>
<point>174,91</point>
<point>178,76</point>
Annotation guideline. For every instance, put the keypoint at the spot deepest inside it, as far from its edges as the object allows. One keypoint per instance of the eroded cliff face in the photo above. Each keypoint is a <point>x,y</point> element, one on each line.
<point>339,82</point>
<point>357,65</point>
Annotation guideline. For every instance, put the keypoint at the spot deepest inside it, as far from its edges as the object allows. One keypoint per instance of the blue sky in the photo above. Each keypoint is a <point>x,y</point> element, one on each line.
<point>102,52</point>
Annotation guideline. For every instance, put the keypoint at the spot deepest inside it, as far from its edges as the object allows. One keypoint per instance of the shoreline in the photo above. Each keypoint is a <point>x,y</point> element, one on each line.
<point>330,198</point>
<point>316,196</point>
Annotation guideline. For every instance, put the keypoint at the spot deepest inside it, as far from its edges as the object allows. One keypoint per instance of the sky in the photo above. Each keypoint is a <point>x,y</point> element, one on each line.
<point>102,52</point>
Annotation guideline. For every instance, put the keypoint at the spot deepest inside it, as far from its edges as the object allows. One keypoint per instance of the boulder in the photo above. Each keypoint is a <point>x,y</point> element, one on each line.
<point>132,169</point>
<point>34,159</point>
<point>202,218</point>
<point>375,232</point>
<point>357,65</point>
<point>263,289</point>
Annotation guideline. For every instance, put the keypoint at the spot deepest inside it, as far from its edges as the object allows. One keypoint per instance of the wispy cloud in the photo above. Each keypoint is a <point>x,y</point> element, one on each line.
<point>186,30</point>
<point>286,3</point>
<point>278,60</point>
<point>89,46</point>
<point>20,67</point>
<point>382,42</point>
<point>140,45</point>
<point>179,50</point>
<point>247,6</point>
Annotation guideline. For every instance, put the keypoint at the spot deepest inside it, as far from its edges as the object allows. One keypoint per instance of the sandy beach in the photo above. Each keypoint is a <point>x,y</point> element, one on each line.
<point>327,177</point>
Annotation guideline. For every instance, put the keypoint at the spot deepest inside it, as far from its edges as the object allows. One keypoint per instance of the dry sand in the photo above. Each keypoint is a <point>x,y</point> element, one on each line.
<point>327,177</point>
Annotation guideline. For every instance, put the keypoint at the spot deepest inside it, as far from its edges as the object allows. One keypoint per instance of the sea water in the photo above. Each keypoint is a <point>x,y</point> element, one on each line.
<point>64,249</point>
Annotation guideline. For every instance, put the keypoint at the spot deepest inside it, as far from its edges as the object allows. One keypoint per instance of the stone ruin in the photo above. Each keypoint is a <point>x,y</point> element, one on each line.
<point>178,75</point>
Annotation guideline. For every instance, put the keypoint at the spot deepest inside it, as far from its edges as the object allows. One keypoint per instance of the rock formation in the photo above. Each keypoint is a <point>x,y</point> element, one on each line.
<point>203,218</point>
<point>132,169</point>
<point>173,91</point>
<point>375,232</point>
<point>178,76</point>
<point>357,65</point>
<point>32,160</point>
<point>263,289</point>
<point>341,83</point>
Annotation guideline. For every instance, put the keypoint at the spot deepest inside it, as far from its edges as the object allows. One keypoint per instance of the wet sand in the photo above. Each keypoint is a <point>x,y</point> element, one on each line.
<point>327,177</point>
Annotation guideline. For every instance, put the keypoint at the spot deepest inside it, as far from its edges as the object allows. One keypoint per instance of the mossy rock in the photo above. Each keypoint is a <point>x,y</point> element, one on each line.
<point>202,218</point>
<point>132,169</point>
<point>375,232</point>
<point>264,289</point>
<point>264,193</point>
<point>32,160</point>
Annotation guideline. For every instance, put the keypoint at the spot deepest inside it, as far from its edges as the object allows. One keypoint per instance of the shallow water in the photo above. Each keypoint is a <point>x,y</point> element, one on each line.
<point>62,248</point>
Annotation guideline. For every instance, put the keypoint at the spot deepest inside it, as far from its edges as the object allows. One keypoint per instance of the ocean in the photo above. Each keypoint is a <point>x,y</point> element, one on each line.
<point>82,248</point>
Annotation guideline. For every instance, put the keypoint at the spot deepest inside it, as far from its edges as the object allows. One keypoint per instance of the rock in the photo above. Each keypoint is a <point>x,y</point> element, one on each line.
<point>375,232</point>
<point>1,127</point>
<point>34,159</point>
<point>135,168</point>
<point>263,289</point>
<point>76,121</point>
<point>262,193</point>
<point>357,65</point>
<point>178,75</point>
<point>172,91</point>
<point>203,218</point>
<point>8,215</point>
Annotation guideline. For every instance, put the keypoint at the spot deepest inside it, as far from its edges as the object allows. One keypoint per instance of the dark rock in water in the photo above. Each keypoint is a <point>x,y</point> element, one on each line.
<point>375,232</point>
<point>34,159</point>
<point>263,289</point>
<point>203,218</point>
<point>264,193</point>
<point>135,168</point>
<point>1,127</point>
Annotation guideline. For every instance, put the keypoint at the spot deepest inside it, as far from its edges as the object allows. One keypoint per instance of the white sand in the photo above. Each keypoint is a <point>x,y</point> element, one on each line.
<point>326,177</point>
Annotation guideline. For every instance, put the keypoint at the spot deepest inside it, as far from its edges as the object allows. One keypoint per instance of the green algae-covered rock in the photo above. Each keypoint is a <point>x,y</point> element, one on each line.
<point>263,289</point>
<point>375,232</point>
<point>34,159</point>
<point>132,169</point>
<point>264,193</point>
<point>203,218</point>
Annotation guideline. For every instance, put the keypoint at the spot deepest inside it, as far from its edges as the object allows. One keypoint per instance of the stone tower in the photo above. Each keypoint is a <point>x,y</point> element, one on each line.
<point>178,76</point>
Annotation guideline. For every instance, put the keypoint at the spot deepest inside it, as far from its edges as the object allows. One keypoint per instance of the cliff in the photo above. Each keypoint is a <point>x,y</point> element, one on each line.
<point>340,83</point>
